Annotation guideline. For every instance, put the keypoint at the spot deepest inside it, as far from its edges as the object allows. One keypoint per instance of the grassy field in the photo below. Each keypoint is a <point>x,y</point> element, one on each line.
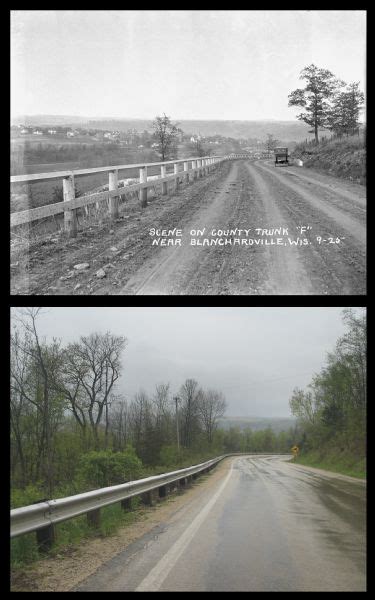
<point>58,140</point>
<point>345,157</point>
<point>343,463</point>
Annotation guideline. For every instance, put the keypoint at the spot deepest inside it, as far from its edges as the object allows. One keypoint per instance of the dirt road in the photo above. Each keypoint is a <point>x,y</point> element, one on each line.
<point>263,526</point>
<point>263,230</point>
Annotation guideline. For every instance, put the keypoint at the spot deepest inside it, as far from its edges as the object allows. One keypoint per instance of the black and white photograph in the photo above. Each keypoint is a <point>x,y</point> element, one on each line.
<point>187,152</point>
<point>190,444</point>
<point>141,465</point>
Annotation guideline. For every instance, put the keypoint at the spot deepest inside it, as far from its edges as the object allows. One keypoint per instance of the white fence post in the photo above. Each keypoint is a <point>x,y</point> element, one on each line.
<point>113,201</point>
<point>164,185</point>
<point>70,216</point>
<point>176,181</point>
<point>143,191</point>
<point>186,171</point>
<point>194,164</point>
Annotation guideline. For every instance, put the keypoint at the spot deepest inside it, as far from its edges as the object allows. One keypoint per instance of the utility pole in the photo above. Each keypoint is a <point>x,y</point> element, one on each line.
<point>176,399</point>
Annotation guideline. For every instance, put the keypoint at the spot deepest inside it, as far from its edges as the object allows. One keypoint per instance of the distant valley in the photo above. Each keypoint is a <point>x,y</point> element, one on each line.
<point>286,131</point>
<point>277,424</point>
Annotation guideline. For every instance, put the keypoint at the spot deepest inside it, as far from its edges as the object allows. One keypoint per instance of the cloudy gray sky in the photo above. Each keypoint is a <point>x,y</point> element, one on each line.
<point>256,356</point>
<point>189,64</point>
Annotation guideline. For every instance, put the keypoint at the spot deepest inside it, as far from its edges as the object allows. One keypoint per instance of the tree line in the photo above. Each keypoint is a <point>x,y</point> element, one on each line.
<point>72,430</point>
<point>328,102</point>
<point>331,412</point>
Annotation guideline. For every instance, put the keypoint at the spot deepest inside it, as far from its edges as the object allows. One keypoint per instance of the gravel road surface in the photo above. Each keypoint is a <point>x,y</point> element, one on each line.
<point>282,230</point>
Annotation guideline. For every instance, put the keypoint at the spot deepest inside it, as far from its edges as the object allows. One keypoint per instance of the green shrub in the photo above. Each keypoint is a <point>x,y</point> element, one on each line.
<point>23,497</point>
<point>103,468</point>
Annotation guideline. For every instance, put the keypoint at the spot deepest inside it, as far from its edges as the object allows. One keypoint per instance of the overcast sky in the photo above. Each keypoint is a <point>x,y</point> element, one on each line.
<point>188,64</point>
<point>256,356</point>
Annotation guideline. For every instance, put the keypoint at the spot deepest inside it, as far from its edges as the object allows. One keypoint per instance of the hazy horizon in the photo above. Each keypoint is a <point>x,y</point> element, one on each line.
<point>112,118</point>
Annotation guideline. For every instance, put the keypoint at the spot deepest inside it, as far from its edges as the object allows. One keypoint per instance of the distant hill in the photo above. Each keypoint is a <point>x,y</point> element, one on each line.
<point>284,131</point>
<point>277,424</point>
<point>40,120</point>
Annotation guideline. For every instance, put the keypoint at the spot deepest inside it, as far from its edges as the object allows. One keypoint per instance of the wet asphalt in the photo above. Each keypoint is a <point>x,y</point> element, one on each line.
<point>266,525</point>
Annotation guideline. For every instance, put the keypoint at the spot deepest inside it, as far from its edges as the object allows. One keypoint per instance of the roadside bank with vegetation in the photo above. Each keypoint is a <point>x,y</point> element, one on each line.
<point>331,413</point>
<point>341,157</point>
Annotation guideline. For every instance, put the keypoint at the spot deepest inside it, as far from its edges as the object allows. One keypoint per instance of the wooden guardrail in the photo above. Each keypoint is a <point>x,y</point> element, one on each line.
<point>192,169</point>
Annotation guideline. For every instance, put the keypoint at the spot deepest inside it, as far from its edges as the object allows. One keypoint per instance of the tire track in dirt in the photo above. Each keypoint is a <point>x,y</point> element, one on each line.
<point>286,273</point>
<point>184,264</point>
<point>334,268</point>
<point>335,210</point>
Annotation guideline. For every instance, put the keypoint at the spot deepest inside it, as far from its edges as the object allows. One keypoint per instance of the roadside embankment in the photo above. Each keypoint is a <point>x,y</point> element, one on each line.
<point>345,157</point>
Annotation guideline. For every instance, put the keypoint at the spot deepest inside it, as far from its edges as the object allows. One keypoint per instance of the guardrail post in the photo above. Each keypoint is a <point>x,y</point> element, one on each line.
<point>164,185</point>
<point>186,171</point>
<point>45,537</point>
<point>126,504</point>
<point>182,482</point>
<point>176,181</point>
<point>70,215</point>
<point>93,518</point>
<point>147,498</point>
<point>113,201</point>
<point>143,191</point>
<point>163,491</point>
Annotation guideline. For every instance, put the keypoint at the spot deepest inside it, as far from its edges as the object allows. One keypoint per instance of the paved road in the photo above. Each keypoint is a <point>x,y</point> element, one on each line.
<point>265,525</point>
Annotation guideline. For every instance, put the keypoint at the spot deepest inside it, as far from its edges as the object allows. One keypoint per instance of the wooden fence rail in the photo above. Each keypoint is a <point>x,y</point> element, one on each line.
<point>192,169</point>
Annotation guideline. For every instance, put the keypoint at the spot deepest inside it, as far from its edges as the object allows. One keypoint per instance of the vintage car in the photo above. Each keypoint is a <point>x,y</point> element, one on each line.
<point>281,157</point>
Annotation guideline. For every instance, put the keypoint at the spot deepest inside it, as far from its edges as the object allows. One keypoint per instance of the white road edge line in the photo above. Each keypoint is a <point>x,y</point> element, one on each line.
<point>160,572</point>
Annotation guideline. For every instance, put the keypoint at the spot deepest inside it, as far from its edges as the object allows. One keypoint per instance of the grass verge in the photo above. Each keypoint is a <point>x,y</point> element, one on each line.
<point>336,462</point>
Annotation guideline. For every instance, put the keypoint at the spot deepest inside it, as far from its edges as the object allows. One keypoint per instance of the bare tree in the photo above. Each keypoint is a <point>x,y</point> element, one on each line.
<point>35,372</point>
<point>189,394</point>
<point>119,422</point>
<point>94,367</point>
<point>165,132</point>
<point>212,406</point>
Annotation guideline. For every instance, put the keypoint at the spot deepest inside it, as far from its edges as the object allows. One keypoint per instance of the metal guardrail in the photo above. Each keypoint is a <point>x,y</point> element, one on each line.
<point>31,518</point>
<point>43,516</point>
